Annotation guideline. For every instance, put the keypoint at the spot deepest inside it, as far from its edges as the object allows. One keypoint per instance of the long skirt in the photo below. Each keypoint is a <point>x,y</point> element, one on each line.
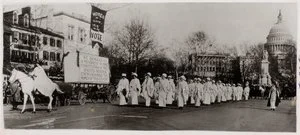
<point>147,98</point>
<point>180,100</point>
<point>192,99</point>
<point>162,99</point>
<point>206,100</point>
<point>246,96</point>
<point>219,97</point>
<point>122,99</point>
<point>223,99</point>
<point>212,98</point>
<point>134,97</point>
<point>229,94</point>
<point>198,101</point>
<point>170,98</point>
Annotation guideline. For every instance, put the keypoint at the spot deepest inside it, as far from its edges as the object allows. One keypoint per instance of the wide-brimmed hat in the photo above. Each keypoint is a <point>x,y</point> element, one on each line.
<point>149,74</point>
<point>183,77</point>
<point>134,74</point>
<point>123,75</point>
<point>208,79</point>
<point>169,76</point>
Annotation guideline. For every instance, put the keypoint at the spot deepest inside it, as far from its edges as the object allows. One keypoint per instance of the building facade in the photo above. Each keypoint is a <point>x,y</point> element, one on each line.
<point>213,65</point>
<point>280,46</point>
<point>25,43</point>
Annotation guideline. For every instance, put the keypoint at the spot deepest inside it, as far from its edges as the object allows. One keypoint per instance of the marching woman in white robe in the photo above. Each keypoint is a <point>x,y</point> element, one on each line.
<point>156,86</point>
<point>223,92</point>
<point>182,87</point>
<point>163,89</point>
<point>148,89</point>
<point>171,92</point>
<point>273,98</point>
<point>198,92</point>
<point>213,92</point>
<point>246,91</point>
<point>234,90</point>
<point>229,94</point>
<point>239,92</point>
<point>207,88</point>
<point>123,88</point>
<point>219,91</point>
<point>135,89</point>
<point>191,93</point>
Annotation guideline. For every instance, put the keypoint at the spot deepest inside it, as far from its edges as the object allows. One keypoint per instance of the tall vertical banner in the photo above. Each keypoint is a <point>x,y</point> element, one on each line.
<point>97,26</point>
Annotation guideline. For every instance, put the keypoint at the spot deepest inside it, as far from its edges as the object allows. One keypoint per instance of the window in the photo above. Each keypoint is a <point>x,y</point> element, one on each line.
<point>71,32</point>
<point>45,40</point>
<point>58,43</point>
<point>26,20</point>
<point>58,57</point>
<point>52,42</point>
<point>81,35</point>
<point>16,36</point>
<point>46,55</point>
<point>15,17</point>
<point>24,38</point>
<point>52,56</point>
<point>33,39</point>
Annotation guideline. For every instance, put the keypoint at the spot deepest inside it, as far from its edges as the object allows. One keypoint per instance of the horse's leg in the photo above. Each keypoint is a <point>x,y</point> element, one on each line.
<point>50,103</point>
<point>24,102</point>
<point>32,101</point>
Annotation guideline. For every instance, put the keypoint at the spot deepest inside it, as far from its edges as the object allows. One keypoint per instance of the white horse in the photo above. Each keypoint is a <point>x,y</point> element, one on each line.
<point>43,84</point>
<point>26,84</point>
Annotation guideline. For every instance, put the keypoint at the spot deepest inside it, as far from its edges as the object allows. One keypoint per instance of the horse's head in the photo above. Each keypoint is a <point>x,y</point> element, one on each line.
<point>13,76</point>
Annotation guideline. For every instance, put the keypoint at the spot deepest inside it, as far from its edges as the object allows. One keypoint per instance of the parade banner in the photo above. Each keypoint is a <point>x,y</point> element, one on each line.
<point>97,26</point>
<point>86,69</point>
<point>93,69</point>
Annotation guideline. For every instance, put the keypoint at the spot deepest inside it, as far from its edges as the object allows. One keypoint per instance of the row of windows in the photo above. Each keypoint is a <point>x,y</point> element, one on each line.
<point>210,69</point>
<point>82,35</point>
<point>52,42</point>
<point>23,57</point>
<point>52,56</point>
<point>30,39</point>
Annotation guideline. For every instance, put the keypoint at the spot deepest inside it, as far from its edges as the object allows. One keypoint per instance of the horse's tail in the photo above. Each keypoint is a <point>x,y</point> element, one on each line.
<point>58,89</point>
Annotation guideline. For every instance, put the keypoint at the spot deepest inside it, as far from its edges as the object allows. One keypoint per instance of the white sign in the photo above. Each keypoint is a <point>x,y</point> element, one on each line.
<point>93,69</point>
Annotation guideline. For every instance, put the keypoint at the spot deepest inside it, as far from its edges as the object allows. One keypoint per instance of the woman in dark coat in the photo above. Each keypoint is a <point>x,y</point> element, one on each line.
<point>273,99</point>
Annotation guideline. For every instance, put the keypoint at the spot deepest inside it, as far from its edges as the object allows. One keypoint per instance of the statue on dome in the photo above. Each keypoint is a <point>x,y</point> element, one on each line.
<point>266,55</point>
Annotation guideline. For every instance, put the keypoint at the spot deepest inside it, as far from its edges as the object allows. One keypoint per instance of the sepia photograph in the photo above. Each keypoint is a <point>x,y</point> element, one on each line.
<point>162,66</point>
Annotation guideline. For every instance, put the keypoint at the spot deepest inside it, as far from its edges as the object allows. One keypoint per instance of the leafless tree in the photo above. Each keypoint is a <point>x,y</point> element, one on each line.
<point>199,42</point>
<point>135,40</point>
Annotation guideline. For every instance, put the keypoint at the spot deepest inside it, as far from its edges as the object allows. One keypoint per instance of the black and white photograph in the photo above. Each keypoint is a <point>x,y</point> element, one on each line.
<point>150,66</point>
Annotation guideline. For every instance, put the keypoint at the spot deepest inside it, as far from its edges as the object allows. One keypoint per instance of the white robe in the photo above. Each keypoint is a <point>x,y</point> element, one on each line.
<point>207,88</point>
<point>224,93</point>
<point>162,93</point>
<point>192,87</point>
<point>240,92</point>
<point>235,93</point>
<point>213,93</point>
<point>123,84</point>
<point>182,88</point>
<point>135,89</point>
<point>198,94</point>
<point>148,89</point>
<point>219,93</point>
<point>246,92</point>
<point>170,93</point>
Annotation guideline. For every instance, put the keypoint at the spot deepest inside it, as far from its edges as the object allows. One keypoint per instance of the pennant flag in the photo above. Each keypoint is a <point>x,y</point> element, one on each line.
<point>97,26</point>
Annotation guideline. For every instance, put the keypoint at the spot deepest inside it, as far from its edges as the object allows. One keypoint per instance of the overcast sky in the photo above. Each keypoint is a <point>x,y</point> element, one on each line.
<point>227,23</point>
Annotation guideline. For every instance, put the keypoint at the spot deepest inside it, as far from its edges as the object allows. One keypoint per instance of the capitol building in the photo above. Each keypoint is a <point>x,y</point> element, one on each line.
<point>280,44</point>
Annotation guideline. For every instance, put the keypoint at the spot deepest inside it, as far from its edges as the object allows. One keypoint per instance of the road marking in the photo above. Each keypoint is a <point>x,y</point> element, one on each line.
<point>49,122</point>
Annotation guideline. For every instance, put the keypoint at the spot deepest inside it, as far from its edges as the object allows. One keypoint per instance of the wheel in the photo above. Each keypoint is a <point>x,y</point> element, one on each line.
<point>94,99</point>
<point>81,98</point>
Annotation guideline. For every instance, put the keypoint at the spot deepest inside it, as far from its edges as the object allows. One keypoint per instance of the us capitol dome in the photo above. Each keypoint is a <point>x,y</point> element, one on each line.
<point>279,41</point>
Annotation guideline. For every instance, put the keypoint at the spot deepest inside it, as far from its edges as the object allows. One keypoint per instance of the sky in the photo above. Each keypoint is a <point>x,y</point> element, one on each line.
<point>229,24</point>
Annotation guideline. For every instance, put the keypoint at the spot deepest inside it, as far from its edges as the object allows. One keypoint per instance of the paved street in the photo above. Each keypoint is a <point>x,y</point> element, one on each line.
<point>250,115</point>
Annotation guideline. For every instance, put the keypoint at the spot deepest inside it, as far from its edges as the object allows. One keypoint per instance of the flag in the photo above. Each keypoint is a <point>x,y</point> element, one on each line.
<point>97,26</point>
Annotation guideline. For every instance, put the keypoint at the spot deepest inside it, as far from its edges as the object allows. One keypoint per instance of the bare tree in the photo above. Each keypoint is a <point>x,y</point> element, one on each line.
<point>199,42</point>
<point>136,40</point>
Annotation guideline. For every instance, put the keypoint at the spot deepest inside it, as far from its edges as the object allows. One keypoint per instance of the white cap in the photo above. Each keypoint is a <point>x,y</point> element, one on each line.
<point>123,75</point>
<point>208,79</point>
<point>164,75</point>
